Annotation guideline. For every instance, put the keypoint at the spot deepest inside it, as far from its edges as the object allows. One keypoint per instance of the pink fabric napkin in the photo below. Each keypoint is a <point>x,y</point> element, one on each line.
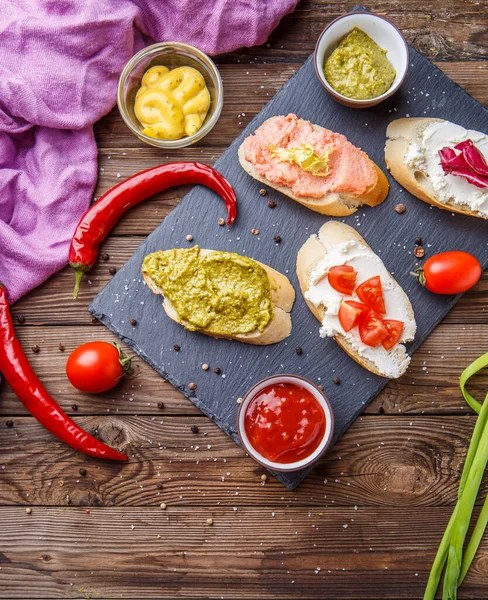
<point>59,65</point>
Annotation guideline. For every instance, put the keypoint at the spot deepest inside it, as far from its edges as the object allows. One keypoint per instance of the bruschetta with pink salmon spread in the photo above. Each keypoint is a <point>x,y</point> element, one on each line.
<point>314,166</point>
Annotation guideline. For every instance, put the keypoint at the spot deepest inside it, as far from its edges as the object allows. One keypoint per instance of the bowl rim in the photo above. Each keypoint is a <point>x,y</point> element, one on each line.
<point>369,101</point>
<point>212,71</point>
<point>303,463</point>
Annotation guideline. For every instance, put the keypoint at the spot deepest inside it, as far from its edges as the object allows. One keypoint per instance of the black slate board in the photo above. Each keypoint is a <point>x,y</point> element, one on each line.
<point>426,92</point>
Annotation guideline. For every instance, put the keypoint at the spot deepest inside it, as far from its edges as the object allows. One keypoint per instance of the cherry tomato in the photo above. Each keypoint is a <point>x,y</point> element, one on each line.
<point>96,367</point>
<point>371,293</point>
<point>449,272</point>
<point>372,330</point>
<point>349,313</point>
<point>395,330</point>
<point>342,278</point>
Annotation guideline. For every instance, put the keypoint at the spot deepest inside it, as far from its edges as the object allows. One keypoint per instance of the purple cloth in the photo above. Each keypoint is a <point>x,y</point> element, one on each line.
<point>59,65</point>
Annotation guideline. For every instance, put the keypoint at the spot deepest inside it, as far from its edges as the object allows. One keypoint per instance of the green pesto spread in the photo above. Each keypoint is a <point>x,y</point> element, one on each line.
<point>358,67</point>
<point>221,292</point>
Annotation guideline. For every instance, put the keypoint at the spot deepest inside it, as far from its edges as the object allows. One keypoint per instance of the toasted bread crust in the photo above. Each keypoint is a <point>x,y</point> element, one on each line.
<point>400,134</point>
<point>279,328</point>
<point>330,234</point>
<point>332,204</point>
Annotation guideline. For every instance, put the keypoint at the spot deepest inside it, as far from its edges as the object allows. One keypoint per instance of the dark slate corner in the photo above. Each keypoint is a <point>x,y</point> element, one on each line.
<point>425,92</point>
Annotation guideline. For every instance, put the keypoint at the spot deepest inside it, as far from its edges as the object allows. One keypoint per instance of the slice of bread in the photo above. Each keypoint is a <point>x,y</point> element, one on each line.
<point>334,204</point>
<point>401,133</point>
<point>315,248</point>
<point>279,328</point>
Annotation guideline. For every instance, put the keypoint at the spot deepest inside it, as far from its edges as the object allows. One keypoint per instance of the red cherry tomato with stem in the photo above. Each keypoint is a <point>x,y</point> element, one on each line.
<point>370,293</point>
<point>342,278</point>
<point>96,367</point>
<point>449,272</point>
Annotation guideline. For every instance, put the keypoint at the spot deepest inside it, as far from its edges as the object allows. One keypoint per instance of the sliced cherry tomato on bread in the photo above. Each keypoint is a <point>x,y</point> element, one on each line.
<point>372,329</point>
<point>370,293</point>
<point>349,313</point>
<point>395,330</point>
<point>342,278</point>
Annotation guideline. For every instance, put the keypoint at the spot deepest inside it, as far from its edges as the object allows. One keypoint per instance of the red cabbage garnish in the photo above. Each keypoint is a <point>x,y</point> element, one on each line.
<point>465,160</point>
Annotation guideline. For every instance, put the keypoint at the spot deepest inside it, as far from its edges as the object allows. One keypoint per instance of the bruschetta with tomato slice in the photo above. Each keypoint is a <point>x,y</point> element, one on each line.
<point>356,299</point>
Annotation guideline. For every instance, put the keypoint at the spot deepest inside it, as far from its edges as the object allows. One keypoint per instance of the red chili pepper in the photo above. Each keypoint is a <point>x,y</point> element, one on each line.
<point>100,218</point>
<point>30,391</point>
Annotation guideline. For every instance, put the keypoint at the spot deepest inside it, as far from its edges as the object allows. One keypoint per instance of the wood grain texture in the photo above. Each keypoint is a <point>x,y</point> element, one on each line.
<point>63,552</point>
<point>380,461</point>
<point>262,553</point>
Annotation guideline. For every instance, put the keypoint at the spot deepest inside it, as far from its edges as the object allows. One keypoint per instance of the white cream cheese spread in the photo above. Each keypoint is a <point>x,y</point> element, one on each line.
<point>390,363</point>
<point>449,189</point>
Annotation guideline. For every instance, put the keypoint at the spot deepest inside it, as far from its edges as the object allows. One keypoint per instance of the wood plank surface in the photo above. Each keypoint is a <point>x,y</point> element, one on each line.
<point>391,479</point>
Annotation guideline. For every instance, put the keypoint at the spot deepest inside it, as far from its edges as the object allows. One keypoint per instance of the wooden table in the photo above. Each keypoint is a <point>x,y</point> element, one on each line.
<point>365,523</point>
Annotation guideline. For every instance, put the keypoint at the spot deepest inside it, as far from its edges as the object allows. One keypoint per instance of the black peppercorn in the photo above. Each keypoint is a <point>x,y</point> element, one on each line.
<point>336,380</point>
<point>299,350</point>
<point>194,429</point>
<point>419,241</point>
<point>217,371</point>
<point>133,322</point>
<point>160,404</point>
<point>9,423</point>
<point>112,270</point>
<point>176,348</point>
<point>277,239</point>
<point>105,256</point>
<point>83,472</point>
<point>35,349</point>
<point>271,203</point>
<point>74,407</point>
<point>21,319</point>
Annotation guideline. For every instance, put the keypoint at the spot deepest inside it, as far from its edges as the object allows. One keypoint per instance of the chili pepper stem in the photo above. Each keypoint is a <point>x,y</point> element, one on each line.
<point>79,269</point>
<point>419,275</point>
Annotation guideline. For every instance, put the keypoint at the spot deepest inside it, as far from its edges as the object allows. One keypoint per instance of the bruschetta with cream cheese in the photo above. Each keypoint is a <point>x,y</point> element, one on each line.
<point>222,294</point>
<point>350,291</point>
<point>314,166</point>
<point>441,163</point>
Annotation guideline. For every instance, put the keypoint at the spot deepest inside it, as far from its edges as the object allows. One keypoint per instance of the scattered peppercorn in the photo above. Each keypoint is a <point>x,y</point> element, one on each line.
<point>133,322</point>
<point>192,386</point>
<point>321,388</point>
<point>264,477</point>
<point>299,350</point>
<point>209,521</point>
<point>255,231</point>
<point>112,270</point>
<point>28,510</point>
<point>36,349</point>
<point>271,203</point>
<point>61,348</point>
<point>400,208</point>
<point>83,472</point>
<point>160,404</point>
<point>21,319</point>
<point>419,252</point>
<point>105,256</point>
<point>277,239</point>
<point>94,320</point>
<point>419,241</point>
<point>336,380</point>
<point>263,192</point>
<point>189,238</point>
<point>159,486</point>
<point>74,407</point>
<point>217,371</point>
<point>221,222</point>
<point>162,506</point>
<point>239,400</point>
<point>194,429</point>
<point>176,348</point>
<point>205,367</point>
<point>9,423</point>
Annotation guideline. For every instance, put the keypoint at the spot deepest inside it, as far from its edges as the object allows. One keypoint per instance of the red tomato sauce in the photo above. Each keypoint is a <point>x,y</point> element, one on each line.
<point>285,423</point>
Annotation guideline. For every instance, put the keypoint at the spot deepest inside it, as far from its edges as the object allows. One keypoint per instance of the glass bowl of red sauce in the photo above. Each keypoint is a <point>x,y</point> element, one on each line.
<point>285,422</point>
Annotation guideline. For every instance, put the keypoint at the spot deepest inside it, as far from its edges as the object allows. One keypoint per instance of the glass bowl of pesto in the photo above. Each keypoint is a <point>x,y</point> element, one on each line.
<point>361,59</point>
<point>162,59</point>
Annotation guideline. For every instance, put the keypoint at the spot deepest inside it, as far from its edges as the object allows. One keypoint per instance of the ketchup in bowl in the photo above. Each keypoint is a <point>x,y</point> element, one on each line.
<point>285,422</point>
